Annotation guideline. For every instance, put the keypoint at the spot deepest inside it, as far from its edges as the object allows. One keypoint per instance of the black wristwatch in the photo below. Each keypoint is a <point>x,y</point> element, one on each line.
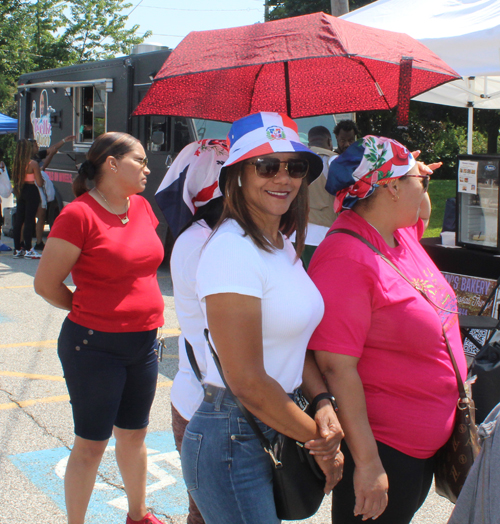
<point>324,396</point>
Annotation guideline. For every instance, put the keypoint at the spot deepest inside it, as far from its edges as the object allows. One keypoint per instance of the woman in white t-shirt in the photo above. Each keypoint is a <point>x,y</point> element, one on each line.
<point>200,163</point>
<point>261,309</point>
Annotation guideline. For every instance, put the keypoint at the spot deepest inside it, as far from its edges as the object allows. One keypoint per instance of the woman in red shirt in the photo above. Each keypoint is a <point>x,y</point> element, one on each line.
<point>106,239</point>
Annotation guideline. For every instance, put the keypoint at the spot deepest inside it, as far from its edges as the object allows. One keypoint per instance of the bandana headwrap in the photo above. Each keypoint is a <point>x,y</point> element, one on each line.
<point>362,168</point>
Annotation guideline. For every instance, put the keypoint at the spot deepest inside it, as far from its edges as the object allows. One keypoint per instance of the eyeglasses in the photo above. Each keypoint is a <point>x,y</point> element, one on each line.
<point>269,167</point>
<point>143,161</point>
<point>425,180</point>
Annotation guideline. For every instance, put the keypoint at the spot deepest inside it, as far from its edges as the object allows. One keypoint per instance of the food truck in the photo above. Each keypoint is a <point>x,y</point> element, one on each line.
<point>88,99</point>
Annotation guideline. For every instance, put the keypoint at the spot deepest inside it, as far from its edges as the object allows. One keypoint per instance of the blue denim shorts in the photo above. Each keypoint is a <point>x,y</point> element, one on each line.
<point>225,468</point>
<point>111,378</point>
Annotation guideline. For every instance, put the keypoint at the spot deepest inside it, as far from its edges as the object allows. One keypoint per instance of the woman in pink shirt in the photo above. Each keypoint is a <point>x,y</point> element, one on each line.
<point>380,344</point>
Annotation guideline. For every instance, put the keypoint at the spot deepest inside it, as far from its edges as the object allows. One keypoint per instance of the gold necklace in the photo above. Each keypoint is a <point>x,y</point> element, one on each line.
<point>123,220</point>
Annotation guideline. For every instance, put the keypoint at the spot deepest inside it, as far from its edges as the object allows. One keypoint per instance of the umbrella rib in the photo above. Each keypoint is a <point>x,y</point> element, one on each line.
<point>379,89</point>
<point>253,86</point>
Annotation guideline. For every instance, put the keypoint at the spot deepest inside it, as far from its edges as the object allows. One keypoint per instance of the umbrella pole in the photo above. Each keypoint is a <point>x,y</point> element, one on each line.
<point>287,90</point>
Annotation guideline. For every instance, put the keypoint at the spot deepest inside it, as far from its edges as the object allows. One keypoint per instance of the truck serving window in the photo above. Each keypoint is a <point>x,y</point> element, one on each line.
<point>90,113</point>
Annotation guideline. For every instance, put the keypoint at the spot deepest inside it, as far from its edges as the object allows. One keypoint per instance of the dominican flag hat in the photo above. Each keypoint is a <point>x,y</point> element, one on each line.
<point>264,134</point>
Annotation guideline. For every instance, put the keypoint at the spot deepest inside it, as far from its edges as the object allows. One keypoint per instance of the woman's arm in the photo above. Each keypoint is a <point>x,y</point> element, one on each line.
<point>52,150</point>
<point>235,324</point>
<point>370,480</point>
<point>59,257</point>
<point>325,417</point>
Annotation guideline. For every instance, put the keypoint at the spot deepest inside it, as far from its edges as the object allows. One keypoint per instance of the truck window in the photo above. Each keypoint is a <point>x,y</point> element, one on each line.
<point>157,133</point>
<point>90,113</point>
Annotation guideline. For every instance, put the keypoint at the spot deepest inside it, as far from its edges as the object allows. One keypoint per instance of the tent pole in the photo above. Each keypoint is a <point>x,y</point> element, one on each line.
<point>470,116</point>
<point>470,128</point>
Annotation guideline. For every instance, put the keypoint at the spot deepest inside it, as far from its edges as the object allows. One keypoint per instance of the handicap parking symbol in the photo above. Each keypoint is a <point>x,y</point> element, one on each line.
<point>165,490</point>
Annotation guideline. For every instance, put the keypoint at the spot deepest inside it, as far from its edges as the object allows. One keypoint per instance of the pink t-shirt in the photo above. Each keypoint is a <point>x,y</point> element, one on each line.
<point>373,314</point>
<point>115,276</point>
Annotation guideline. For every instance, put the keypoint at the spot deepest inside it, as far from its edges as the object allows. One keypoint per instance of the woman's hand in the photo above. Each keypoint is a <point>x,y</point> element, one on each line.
<point>327,447</point>
<point>426,169</point>
<point>370,487</point>
<point>332,469</point>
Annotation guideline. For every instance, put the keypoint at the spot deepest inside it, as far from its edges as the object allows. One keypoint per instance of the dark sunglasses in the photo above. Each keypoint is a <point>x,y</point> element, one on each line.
<point>425,180</point>
<point>269,167</point>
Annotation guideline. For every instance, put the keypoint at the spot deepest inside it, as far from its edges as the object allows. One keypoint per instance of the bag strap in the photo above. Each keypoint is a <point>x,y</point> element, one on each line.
<point>249,417</point>
<point>192,361</point>
<point>460,384</point>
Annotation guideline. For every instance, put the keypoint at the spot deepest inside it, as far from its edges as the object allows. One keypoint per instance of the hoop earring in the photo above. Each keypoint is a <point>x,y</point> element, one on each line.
<point>239,180</point>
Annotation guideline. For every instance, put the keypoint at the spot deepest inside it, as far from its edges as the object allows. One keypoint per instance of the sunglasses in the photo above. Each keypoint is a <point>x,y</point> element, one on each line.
<point>269,167</point>
<point>425,180</point>
<point>143,161</point>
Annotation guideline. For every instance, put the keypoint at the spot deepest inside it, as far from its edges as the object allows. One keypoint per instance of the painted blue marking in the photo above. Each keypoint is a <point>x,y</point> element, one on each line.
<point>4,319</point>
<point>166,491</point>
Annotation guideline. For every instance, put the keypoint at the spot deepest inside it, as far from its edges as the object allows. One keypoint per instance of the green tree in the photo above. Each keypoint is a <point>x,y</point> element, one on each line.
<point>96,30</point>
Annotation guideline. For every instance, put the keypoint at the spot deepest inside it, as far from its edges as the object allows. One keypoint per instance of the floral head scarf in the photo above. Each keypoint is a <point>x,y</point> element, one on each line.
<point>364,166</point>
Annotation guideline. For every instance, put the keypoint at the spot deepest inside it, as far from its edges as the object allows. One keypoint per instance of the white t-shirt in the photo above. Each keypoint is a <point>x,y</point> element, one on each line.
<point>292,307</point>
<point>187,392</point>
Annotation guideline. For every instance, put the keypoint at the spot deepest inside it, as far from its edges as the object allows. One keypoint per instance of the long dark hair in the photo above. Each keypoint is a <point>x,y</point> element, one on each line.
<point>236,207</point>
<point>25,150</point>
<point>114,144</point>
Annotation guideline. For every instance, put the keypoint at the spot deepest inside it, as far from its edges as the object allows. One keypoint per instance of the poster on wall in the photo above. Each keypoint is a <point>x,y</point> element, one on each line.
<point>467,176</point>
<point>42,128</point>
<point>472,293</point>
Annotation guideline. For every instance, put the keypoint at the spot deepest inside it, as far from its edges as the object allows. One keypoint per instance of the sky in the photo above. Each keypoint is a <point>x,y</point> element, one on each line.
<point>171,20</point>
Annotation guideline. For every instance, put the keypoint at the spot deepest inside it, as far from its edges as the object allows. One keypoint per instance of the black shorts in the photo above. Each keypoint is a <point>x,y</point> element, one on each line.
<point>111,378</point>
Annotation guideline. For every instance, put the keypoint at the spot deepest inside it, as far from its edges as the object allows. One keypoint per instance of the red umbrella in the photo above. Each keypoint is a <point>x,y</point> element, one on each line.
<point>303,66</point>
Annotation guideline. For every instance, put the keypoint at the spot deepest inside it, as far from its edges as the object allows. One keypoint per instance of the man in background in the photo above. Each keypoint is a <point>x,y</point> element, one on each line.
<point>346,133</point>
<point>321,214</point>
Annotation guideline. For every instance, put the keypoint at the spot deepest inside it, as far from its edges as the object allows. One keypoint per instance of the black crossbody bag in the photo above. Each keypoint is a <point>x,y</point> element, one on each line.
<point>298,482</point>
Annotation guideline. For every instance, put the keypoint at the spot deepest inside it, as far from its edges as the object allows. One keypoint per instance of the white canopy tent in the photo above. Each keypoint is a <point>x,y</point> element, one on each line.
<point>464,33</point>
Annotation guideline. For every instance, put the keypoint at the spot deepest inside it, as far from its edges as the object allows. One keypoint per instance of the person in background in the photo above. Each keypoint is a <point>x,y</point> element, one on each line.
<point>321,214</point>
<point>345,133</point>
<point>106,238</point>
<point>260,308</point>
<point>44,158</point>
<point>3,168</point>
<point>5,192</point>
<point>27,176</point>
<point>201,162</point>
<point>380,344</point>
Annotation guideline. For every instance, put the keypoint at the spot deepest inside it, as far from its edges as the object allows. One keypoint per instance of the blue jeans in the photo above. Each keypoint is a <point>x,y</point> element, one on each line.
<point>226,471</point>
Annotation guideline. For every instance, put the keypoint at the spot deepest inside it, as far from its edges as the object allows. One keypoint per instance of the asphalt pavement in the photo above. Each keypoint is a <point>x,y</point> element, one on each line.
<point>36,427</point>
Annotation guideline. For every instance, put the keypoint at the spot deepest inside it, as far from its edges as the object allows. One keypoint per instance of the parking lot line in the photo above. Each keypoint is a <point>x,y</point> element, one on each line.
<point>30,344</point>
<point>171,332</point>
<point>14,287</point>
<point>32,402</point>
<point>60,398</point>
<point>31,376</point>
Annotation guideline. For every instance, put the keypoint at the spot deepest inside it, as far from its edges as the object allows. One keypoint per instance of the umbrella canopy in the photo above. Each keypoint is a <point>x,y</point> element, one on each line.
<point>7,124</point>
<point>302,66</point>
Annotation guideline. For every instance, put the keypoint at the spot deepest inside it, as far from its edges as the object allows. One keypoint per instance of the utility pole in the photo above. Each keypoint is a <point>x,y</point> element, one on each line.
<point>340,7</point>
